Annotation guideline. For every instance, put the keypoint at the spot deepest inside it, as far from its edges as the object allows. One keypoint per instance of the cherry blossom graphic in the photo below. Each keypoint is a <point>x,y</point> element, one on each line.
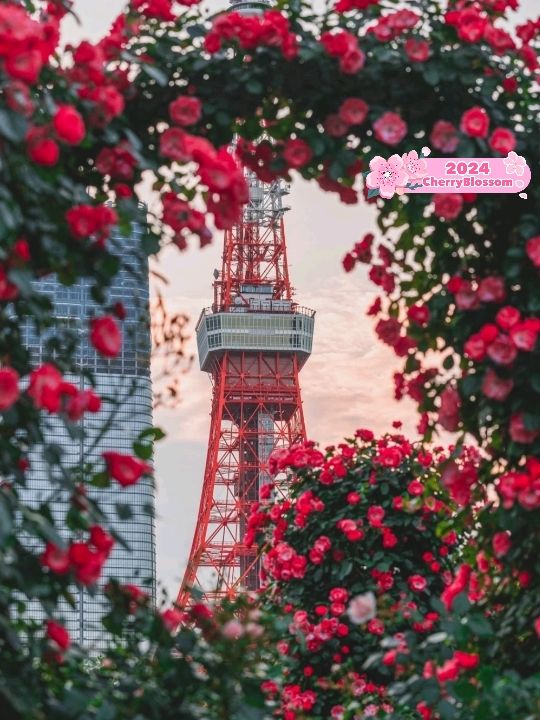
<point>415,167</point>
<point>515,164</point>
<point>386,175</point>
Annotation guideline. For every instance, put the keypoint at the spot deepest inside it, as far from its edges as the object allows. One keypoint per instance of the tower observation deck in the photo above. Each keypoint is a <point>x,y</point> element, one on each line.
<point>252,341</point>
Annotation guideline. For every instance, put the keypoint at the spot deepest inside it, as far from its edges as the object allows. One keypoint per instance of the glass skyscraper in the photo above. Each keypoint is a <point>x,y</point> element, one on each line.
<point>125,379</point>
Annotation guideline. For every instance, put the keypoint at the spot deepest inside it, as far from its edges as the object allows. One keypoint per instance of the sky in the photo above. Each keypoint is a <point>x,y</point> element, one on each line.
<point>347,382</point>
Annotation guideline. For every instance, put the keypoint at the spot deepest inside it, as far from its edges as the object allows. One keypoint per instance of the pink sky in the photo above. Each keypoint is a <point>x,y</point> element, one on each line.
<point>347,383</point>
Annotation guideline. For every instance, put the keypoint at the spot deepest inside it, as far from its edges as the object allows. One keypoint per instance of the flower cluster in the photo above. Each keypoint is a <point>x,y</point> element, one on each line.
<point>85,560</point>
<point>271,29</point>
<point>344,45</point>
<point>218,171</point>
<point>350,558</point>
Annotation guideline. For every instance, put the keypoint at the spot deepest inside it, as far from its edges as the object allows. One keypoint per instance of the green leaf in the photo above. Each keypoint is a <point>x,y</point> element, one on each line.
<point>345,569</point>
<point>6,520</point>
<point>156,74</point>
<point>143,450</point>
<point>254,87</point>
<point>461,604</point>
<point>155,433</point>
<point>12,125</point>
<point>101,480</point>
<point>480,625</point>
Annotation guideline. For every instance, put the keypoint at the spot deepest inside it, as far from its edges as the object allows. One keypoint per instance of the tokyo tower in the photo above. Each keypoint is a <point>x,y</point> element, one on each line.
<point>252,341</point>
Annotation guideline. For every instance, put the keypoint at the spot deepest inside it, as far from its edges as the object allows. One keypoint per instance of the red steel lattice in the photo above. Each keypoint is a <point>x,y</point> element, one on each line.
<point>253,341</point>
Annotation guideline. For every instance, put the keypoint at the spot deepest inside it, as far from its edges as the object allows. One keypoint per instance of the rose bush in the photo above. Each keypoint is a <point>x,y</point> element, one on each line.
<point>154,104</point>
<point>385,609</point>
<point>354,558</point>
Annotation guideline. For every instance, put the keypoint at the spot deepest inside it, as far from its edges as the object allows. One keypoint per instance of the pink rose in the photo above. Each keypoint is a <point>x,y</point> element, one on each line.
<point>362,608</point>
<point>390,128</point>
<point>232,630</point>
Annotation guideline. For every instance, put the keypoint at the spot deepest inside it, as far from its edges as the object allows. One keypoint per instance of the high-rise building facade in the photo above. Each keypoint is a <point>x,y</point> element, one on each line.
<point>126,380</point>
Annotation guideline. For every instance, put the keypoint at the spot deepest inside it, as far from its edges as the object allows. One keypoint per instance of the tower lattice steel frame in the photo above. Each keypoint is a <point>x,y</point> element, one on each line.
<point>253,341</point>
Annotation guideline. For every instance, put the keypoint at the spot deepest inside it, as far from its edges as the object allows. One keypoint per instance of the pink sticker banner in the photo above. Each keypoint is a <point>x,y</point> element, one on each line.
<point>471,175</point>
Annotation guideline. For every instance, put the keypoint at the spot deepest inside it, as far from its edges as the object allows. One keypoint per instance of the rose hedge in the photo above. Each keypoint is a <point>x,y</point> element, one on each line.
<point>154,103</point>
<point>356,553</point>
<point>387,610</point>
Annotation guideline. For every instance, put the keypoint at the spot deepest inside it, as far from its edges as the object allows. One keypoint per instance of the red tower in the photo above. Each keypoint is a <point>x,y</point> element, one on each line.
<point>252,341</point>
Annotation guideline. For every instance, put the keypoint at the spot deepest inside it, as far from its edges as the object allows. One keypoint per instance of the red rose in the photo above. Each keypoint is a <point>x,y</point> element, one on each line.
<point>533,250</point>
<point>417,50</point>
<point>109,104</point>
<point>9,387</point>
<point>45,386</point>
<point>125,469</point>
<point>444,136</point>
<point>348,262</point>
<point>118,162</point>
<point>353,111</point>
<point>525,334</point>
<point>510,84</point>
<point>502,141</point>
<point>42,150</point>
<point>58,634</point>
<point>81,221</point>
<point>185,110</point>
<point>375,516</point>
<point>390,128</point>
<point>529,56</point>
<point>352,61</point>
<point>475,122</point>
<point>388,331</point>
<point>344,45</point>
<point>69,125</point>
<point>471,25</point>
<point>456,283</point>
<point>508,316</point>
<point>449,409</point>
<point>491,289</point>
<point>55,559</point>
<point>467,661</point>
<point>87,563</point>
<point>18,98</point>
<point>475,348</point>
<point>172,618</point>
<point>335,126</point>
<point>418,314</point>
<point>338,595</point>
<point>297,153</point>
<point>502,350</point>
<point>495,387</point>
<point>499,40</point>
<point>21,250</point>
<point>417,583</point>
<point>501,544</point>
<point>519,433</point>
<point>100,539</point>
<point>81,402</point>
<point>447,205</point>
<point>24,65</point>
<point>415,488</point>
<point>105,335</point>
<point>389,457</point>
